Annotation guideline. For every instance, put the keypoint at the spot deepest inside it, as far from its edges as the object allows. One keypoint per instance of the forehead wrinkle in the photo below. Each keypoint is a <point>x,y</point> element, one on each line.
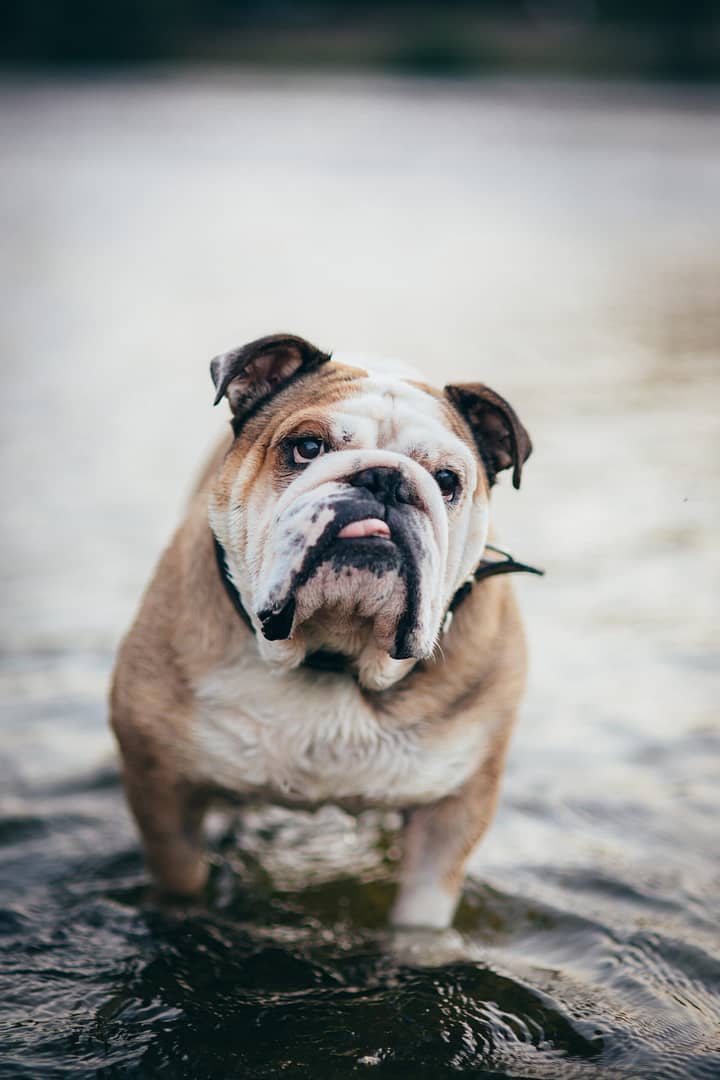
<point>390,427</point>
<point>417,420</point>
<point>391,413</point>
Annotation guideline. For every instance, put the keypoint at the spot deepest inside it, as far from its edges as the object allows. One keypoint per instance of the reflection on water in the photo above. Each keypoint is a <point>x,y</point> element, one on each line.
<point>564,247</point>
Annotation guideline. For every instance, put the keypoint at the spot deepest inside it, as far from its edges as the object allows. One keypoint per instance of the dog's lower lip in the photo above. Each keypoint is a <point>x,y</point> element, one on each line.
<point>367,527</point>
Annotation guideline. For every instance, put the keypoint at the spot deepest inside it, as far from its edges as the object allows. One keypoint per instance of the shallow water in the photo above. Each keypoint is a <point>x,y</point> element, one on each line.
<point>561,244</point>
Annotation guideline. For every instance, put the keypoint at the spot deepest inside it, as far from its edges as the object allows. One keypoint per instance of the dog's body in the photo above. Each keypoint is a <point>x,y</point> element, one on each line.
<point>348,509</point>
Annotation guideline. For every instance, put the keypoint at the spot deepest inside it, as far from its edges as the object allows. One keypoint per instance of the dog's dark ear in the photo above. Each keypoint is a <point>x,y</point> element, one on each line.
<point>254,372</point>
<point>501,439</point>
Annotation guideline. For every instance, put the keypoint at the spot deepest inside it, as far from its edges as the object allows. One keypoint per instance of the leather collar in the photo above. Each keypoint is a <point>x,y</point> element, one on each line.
<point>329,661</point>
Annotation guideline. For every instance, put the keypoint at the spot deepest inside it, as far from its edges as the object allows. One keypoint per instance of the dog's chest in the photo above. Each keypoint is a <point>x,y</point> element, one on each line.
<point>310,737</point>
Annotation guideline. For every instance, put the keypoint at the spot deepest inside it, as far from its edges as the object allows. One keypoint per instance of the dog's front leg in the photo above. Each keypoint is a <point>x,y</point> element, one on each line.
<point>170,817</point>
<point>146,714</point>
<point>438,840</point>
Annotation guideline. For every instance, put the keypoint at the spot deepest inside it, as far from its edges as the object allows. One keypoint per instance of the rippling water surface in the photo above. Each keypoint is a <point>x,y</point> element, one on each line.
<point>561,244</point>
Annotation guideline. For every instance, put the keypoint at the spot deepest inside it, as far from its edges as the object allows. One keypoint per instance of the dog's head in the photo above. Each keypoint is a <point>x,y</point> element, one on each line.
<point>354,501</point>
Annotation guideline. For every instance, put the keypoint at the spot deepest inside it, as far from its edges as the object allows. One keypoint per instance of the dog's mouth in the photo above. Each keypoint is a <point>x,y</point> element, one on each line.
<point>357,539</point>
<point>366,529</point>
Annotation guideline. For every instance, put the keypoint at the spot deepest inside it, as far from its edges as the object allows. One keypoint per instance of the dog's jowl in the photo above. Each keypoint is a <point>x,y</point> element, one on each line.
<point>330,623</point>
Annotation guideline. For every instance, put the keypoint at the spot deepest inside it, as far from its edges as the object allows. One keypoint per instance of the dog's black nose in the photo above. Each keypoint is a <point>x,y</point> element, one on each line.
<point>387,485</point>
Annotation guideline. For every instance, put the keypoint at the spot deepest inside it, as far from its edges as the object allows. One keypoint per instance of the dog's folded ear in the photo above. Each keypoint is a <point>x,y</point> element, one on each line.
<point>501,439</point>
<point>252,373</point>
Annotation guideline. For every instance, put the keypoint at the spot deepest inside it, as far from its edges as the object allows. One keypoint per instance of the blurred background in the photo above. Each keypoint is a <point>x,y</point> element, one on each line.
<point>526,194</point>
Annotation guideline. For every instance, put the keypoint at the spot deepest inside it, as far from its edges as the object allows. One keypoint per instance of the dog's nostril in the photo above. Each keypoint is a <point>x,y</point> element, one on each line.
<point>386,484</point>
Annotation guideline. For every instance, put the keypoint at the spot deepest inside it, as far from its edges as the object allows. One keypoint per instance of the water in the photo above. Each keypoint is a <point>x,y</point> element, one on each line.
<point>563,245</point>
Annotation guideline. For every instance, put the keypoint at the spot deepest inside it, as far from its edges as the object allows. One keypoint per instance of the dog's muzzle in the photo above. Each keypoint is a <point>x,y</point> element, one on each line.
<point>379,494</point>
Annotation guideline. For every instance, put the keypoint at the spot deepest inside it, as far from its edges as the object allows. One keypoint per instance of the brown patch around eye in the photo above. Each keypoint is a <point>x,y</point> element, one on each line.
<point>284,463</point>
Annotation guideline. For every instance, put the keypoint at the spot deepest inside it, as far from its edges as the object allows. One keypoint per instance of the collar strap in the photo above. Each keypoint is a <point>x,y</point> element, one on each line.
<point>327,661</point>
<point>486,568</point>
<point>229,584</point>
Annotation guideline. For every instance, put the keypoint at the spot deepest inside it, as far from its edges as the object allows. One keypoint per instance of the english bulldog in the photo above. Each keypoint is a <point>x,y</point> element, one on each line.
<point>330,622</point>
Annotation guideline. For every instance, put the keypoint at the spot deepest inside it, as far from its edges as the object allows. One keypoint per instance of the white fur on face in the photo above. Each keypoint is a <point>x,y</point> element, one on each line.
<point>270,540</point>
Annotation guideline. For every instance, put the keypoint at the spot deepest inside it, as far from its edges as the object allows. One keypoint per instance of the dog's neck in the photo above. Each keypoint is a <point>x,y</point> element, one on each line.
<point>336,644</point>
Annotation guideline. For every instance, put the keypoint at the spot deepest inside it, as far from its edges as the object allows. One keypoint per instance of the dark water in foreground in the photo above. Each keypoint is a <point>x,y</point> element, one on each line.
<point>299,976</point>
<point>562,245</point>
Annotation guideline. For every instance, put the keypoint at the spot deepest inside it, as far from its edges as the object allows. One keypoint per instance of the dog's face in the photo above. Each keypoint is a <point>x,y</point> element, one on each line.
<point>353,503</point>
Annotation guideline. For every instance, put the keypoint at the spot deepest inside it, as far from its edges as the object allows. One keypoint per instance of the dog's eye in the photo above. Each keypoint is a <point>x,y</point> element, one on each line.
<point>307,449</point>
<point>448,482</point>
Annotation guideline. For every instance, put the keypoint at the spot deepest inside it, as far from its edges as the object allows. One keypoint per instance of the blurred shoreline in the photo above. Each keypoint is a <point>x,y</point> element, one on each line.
<point>522,89</point>
<point>664,41</point>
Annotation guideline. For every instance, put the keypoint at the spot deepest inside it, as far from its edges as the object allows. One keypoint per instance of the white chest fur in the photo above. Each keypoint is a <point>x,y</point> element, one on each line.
<point>312,737</point>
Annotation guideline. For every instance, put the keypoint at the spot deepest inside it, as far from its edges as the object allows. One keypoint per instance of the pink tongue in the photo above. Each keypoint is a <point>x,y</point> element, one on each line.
<point>368,527</point>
